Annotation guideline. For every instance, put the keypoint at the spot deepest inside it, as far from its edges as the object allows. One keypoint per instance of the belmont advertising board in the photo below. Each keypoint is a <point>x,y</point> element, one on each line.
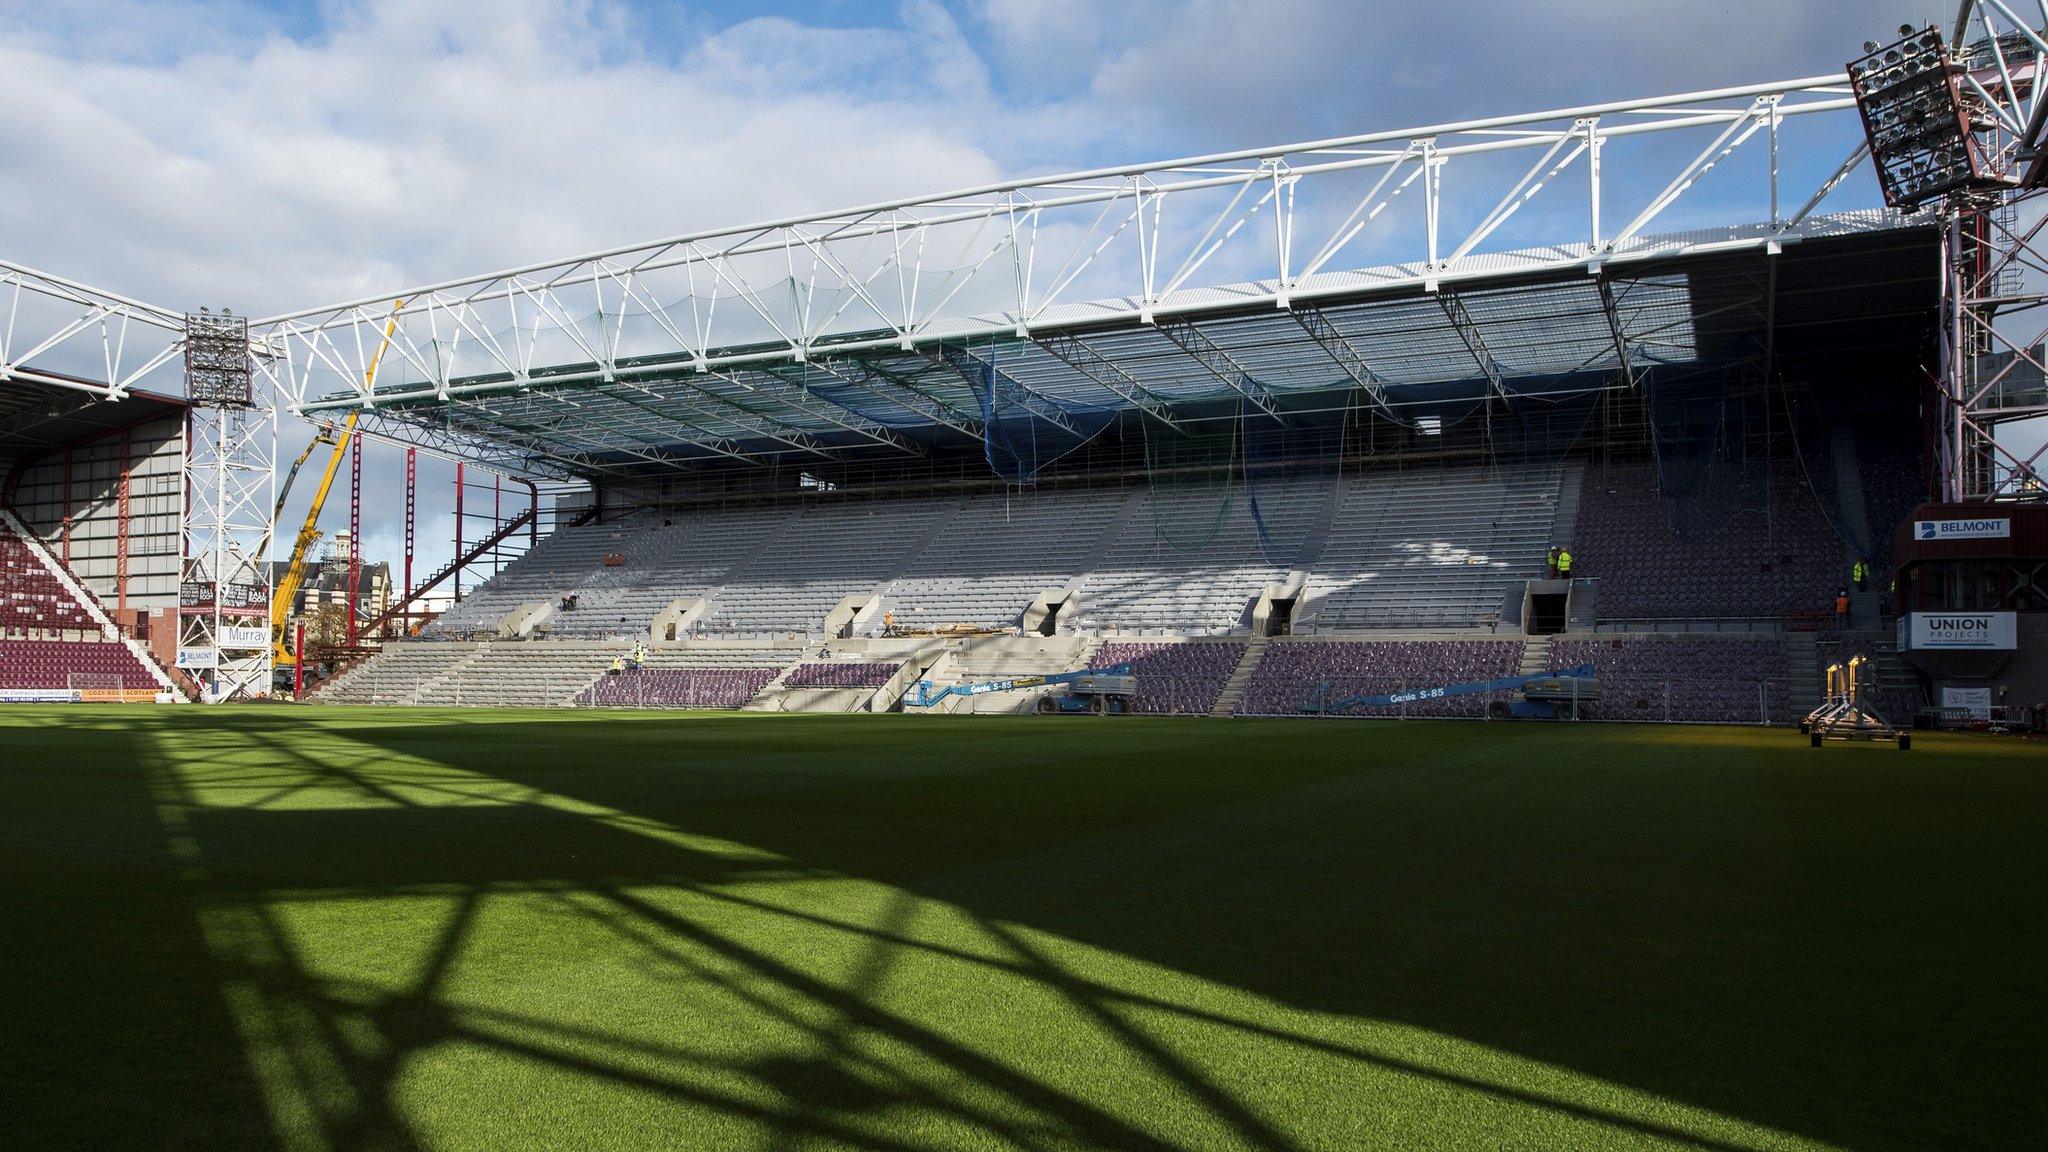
<point>1959,631</point>
<point>1963,528</point>
<point>198,658</point>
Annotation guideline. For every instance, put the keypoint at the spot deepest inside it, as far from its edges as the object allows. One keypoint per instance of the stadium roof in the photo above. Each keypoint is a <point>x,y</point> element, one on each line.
<point>38,419</point>
<point>1543,334</point>
<point>1513,254</point>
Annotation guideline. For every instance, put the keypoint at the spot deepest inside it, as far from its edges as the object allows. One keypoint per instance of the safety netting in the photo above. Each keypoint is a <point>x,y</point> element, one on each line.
<point>1863,466</point>
<point>1712,449</point>
<point>1192,480</point>
<point>866,400</point>
<point>1293,477</point>
<point>1536,427</point>
<point>1023,433</point>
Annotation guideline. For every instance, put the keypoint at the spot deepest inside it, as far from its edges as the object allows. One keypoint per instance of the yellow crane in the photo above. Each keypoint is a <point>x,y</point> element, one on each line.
<point>295,571</point>
<point>309,533</point>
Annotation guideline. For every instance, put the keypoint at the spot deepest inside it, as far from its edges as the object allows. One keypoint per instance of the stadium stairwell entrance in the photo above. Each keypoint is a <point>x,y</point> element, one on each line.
<point>1546,607</point>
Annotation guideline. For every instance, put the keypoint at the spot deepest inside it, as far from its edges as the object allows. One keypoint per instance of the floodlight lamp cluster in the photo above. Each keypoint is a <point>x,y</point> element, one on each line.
<point>1917,119</point>
<point>217,359</point>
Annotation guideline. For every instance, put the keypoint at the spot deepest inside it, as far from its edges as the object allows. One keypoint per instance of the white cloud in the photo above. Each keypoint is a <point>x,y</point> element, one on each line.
<point>1203,74</point>
<point>416,140</point>
<point>409,141</point>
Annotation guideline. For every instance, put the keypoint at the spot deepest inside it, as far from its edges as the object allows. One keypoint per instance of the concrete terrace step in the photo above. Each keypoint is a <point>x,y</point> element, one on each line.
<point>1247,667</point>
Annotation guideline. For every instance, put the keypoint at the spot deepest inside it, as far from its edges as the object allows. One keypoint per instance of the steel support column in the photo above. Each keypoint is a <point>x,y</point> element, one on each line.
<point>121,523</point>
<point>1993,370</point>
<point>458,532</point>
<point>355,538</point>
<point>68,507</point>
<point>411,502</point>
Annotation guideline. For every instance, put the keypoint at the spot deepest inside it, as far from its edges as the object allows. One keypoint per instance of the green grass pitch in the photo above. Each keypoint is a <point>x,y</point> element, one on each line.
<point>423,929</point>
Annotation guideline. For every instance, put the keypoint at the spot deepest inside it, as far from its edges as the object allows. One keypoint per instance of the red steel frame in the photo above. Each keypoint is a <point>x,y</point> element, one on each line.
<point>121,525</point>
<point>355,537</point>
<point>68,507</point>
<point>411,499</point>
<point>458,529</point>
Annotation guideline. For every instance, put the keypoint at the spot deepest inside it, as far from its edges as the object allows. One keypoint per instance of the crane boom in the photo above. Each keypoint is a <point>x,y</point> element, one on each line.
<point>284,491</point>
<point>295,571</point>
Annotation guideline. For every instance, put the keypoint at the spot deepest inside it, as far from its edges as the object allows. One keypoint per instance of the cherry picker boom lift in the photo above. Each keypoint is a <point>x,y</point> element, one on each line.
<point>1102,691</point>
<point>1544,696</point>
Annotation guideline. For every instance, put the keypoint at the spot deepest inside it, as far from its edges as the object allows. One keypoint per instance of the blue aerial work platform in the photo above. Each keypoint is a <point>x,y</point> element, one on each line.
<point>1103,691</point>
<point>1542,696</point>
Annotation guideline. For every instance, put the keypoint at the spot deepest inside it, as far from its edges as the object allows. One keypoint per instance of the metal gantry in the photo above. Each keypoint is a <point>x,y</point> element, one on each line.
<point>1430,208</point>
<point>1993,363</point>
<point>1989,378</point>
<point>869,330</point>
<point>59,332</point>
<point>230,477</point>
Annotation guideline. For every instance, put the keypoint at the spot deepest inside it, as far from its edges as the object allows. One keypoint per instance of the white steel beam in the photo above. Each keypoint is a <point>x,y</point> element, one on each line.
<point>1075,353</point>
<point>1220,363</point>
<point>1340,349</point>
<point>1035,257</point>
<point>62,333</point>
<point>980,374</point>
<point>1474,341</point>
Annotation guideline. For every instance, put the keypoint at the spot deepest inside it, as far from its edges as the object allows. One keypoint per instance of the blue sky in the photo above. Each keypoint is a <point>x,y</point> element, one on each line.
<point>272,156</point>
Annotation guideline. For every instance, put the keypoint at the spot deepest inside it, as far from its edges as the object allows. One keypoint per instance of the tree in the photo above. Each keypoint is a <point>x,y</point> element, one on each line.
<point>327,626</point>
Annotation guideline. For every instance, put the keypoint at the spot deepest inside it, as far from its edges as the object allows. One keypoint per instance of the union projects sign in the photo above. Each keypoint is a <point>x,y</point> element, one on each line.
<point>1982,631</point>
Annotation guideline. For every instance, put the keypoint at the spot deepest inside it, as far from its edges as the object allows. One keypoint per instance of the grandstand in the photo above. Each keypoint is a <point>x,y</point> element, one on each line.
<point>107,531</point>
<point>1415,577</point>
<point>1322,477</point>
<point>1246,562</point>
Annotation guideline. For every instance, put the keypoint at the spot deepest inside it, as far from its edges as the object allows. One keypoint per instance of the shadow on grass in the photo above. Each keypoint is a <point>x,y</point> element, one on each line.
<point>1775,945</point>
<point>116,1033</point>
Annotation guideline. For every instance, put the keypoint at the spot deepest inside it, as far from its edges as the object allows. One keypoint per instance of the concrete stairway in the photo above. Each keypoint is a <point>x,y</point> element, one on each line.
<point>1802,673</point>
<point>1535,656</point>
<point>1582,608</point>
<point>1849,491</point>
<point>1240,677</point>
<point>1894,675</point>
<point>1565,518</point>
<point>1318,538</point>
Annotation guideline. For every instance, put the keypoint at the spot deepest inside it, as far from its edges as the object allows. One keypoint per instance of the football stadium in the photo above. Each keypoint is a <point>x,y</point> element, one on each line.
<point>1522,632</point>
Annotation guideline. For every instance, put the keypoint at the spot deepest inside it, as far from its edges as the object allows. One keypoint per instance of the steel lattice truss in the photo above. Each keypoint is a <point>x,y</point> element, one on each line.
<point>1499,250</point>
<point>230,483</point>
<point>109,342</point>
<point>1994,369</point>
<point>2004,57</point>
